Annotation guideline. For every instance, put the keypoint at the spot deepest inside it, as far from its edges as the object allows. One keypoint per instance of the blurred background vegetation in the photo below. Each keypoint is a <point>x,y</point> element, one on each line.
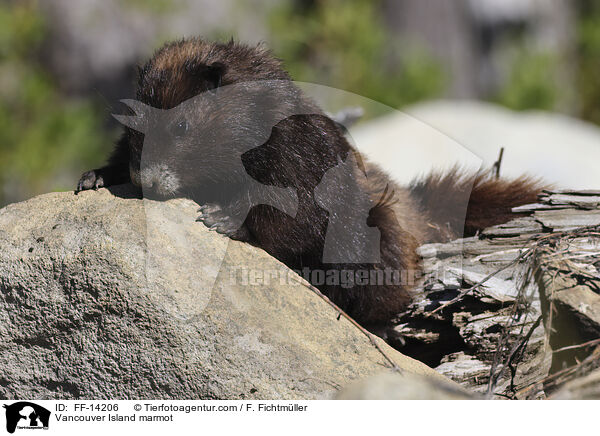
<point>64,65</point>
<point>43,133</point>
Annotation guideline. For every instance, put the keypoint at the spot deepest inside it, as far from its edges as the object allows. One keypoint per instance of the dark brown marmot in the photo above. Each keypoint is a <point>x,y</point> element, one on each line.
<point>197,150</point>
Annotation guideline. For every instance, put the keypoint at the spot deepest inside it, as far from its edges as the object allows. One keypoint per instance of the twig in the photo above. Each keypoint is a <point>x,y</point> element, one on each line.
<point>569,370</point>
<point>497,164</point>
<point>520,348</point>
<point>504,338</point>
<point>574,347</point>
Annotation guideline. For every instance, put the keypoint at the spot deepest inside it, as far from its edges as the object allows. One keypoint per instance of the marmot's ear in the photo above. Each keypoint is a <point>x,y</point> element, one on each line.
<point>214,74</point>
<point>210,76</point>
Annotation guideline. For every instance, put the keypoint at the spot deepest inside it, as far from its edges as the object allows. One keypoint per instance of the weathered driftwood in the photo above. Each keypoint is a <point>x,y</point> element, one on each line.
<point>569,281</point>
<point>486,303</point>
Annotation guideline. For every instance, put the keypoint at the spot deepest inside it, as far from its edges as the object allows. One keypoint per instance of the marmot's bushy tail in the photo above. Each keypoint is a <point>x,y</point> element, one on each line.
<point>457,201</point>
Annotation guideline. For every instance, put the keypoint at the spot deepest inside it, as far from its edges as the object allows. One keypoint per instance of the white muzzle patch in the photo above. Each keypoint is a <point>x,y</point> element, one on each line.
<point>157,177</point>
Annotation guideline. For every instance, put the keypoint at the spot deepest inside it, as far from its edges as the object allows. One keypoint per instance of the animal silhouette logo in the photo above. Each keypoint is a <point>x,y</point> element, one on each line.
<point>195,131</point>
<point>26,415</point>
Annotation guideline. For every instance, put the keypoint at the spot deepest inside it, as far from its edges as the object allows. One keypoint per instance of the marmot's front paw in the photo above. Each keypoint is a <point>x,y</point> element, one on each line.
<point>90,180</point>
<point>215,218</point>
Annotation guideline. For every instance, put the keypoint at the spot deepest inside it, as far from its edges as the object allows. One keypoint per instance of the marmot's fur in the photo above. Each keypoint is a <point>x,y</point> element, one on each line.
<point>196,159</point>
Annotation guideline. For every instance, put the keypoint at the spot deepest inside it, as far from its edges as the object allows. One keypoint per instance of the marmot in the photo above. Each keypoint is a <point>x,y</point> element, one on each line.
<point>198,151</point>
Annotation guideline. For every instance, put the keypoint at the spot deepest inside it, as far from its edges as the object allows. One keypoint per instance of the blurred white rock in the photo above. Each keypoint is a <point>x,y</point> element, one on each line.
<point>438,134</point>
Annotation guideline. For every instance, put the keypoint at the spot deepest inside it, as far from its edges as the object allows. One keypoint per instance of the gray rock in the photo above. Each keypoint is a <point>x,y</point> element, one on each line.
<point>105,296</point>
<point>394,386</point>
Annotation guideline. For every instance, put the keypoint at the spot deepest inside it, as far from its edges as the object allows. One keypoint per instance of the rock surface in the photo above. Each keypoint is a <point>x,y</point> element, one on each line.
<point>106,296</point>
<point>394,386</point>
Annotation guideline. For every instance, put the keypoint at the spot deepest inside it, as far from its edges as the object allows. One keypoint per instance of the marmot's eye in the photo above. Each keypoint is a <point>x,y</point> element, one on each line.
<point>180,129</point>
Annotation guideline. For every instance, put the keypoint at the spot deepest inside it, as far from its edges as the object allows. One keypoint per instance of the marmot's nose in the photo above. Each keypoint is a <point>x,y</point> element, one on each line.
<point>159,179</point>
<point>149,178</point>
<point>151,187</point>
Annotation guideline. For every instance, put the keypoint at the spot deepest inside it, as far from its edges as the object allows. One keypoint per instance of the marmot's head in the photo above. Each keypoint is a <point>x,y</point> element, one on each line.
<point>183,69</point>
<point>199,107</point>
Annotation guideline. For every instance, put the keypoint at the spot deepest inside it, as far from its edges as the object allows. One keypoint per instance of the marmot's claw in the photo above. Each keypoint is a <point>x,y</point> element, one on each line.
<point>213,217</point>
<point>209,209</point>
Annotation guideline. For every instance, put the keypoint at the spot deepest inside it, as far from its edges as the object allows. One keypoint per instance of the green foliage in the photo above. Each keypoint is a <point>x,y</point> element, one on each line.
<point>531,83</point>
<point>43,134</point>
<point>588,54</point>
<point>345,45</point>
<point>153,6</point>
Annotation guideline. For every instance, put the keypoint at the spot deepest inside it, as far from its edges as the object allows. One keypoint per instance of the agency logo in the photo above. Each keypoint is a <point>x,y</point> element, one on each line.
<point>27,416</point>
